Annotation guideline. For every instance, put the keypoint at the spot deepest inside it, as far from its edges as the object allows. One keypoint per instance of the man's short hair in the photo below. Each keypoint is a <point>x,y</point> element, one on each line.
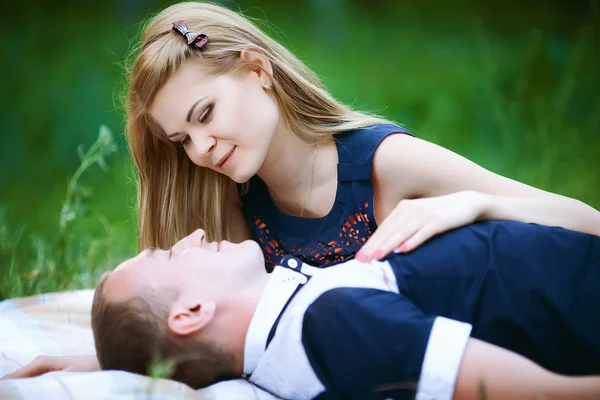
<point>130,335</point>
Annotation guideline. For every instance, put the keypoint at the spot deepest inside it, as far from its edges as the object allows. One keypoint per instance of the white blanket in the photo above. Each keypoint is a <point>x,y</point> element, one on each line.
<point>59,324</point>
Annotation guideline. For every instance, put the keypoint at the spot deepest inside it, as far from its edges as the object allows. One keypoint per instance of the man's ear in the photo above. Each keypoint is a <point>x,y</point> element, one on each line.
<point>190,316</point>
<point>263,67</point>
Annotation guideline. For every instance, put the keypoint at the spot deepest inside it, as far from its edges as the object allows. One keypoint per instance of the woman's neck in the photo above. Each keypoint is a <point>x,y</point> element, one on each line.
<point>292,165</point>
<point>287,164</point>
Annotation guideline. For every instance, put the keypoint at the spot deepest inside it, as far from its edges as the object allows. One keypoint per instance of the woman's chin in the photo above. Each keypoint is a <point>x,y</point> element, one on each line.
<point>240,177</point>
<point>242,174</point>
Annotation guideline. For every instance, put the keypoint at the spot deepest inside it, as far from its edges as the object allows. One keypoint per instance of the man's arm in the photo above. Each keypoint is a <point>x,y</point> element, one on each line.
<point>503,374</point>
<point>366,342</point>
<point>43,364</point>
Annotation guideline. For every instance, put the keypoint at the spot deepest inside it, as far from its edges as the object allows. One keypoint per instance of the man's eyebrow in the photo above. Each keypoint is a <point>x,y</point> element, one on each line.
<point>189,115</point>
<point>151,251</point>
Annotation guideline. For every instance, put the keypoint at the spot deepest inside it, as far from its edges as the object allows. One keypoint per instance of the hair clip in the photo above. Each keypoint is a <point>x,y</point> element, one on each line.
<point>193,39</point>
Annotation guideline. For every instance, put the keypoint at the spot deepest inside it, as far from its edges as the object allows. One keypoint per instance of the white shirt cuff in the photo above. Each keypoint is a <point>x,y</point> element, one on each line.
<point>443,356</point>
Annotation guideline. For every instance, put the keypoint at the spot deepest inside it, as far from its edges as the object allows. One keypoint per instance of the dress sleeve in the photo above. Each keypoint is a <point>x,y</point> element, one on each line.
<point>370,344</point>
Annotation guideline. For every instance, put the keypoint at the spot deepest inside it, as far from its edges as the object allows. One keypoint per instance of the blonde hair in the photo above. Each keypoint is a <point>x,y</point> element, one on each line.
<point>175,197</point>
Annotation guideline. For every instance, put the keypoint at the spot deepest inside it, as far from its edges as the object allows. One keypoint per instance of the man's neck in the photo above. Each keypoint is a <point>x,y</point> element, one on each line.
<point>283,284</point>
<point>236,314</point>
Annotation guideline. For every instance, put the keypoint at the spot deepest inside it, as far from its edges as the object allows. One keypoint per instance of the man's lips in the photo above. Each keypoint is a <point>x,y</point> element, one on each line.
<point>211,246</point>
<point>225,157</point>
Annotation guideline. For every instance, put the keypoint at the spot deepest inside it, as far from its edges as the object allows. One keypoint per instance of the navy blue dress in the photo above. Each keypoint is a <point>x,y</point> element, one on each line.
<point>342,232</point>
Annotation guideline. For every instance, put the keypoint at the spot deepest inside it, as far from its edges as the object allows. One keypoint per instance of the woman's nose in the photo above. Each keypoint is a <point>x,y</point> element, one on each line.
<point>204,144</point>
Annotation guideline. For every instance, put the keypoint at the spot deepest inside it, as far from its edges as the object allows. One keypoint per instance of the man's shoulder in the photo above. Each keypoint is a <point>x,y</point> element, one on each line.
<point>342,302</point>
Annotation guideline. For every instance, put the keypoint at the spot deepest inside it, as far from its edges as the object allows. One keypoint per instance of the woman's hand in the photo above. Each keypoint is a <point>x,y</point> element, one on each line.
<point>43,364</point>
<point>413,222</point>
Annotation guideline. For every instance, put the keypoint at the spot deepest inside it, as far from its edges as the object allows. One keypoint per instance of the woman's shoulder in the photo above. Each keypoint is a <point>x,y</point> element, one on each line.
<point>373,131</point>
<point>361,144</point>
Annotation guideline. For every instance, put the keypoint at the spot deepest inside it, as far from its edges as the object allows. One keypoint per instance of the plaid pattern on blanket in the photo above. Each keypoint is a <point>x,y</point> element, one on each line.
<point>59,324</point>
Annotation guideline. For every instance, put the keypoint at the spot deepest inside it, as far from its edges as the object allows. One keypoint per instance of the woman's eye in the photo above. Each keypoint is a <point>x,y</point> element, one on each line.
<point>186,140</point>
<point>207,114</point>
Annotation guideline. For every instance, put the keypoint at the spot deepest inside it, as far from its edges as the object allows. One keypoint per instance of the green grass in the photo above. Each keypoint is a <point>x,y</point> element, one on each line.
<point>83,244</point>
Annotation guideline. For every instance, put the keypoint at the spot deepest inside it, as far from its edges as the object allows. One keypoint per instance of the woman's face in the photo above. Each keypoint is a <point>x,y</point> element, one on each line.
<point>225,123</point>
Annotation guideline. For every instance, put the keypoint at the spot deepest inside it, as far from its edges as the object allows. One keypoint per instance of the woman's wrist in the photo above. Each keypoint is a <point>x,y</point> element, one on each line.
<point>483,204</point>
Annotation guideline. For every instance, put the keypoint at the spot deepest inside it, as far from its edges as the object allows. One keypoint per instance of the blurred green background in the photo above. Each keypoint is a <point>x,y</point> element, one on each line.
<point>514,86</point>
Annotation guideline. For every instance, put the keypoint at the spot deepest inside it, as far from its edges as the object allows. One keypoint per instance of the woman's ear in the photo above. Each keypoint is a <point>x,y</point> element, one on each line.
<point>259,64</point>
<point>191,316</point>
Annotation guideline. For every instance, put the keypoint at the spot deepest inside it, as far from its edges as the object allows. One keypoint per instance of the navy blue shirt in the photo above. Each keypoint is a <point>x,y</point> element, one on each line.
<point>342,232</point>
<point>399,327</point>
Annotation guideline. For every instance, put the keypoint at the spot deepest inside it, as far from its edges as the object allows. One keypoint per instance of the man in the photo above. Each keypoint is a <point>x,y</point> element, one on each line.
<point>510,307</point>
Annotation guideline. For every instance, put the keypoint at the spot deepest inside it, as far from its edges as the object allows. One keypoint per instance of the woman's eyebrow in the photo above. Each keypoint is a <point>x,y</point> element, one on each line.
<point>189,115</point>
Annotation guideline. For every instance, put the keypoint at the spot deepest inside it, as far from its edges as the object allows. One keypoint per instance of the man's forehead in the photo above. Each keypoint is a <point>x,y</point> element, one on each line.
<point>135,273</point>
<point>147,258</point>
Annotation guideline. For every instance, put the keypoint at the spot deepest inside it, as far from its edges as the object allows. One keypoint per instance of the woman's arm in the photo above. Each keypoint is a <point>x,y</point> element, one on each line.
<point>548,209</point>
<point>502,374</point>
<point>407,167</point>
<point>422,189</point>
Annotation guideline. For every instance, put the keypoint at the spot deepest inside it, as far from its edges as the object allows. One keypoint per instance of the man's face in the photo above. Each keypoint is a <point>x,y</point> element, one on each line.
<point>192,264</point>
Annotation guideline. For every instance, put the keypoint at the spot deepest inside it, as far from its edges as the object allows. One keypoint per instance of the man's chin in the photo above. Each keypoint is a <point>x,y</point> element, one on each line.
<point>255,254</point>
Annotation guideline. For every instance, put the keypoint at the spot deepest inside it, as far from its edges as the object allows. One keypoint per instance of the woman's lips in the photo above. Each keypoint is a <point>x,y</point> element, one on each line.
<point>226,158</point>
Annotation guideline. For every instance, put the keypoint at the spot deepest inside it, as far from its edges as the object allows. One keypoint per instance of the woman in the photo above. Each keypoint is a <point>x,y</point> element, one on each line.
<point>316,178</point>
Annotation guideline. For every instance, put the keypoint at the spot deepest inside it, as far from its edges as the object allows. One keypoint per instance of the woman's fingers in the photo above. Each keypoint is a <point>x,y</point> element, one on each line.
<point>391,226</point>
<point>394,230</point>
<point>397,237</point>
<point>421,236</point>
<point>411,235</point>
<point>412,222</point>
<point>371,247</point>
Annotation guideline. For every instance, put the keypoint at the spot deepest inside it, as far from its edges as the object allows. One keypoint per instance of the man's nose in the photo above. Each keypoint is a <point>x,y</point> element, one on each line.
<point>194,239</point>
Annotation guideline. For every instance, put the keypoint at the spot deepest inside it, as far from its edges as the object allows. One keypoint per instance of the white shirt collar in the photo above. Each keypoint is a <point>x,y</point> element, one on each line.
<point>281,286</point>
